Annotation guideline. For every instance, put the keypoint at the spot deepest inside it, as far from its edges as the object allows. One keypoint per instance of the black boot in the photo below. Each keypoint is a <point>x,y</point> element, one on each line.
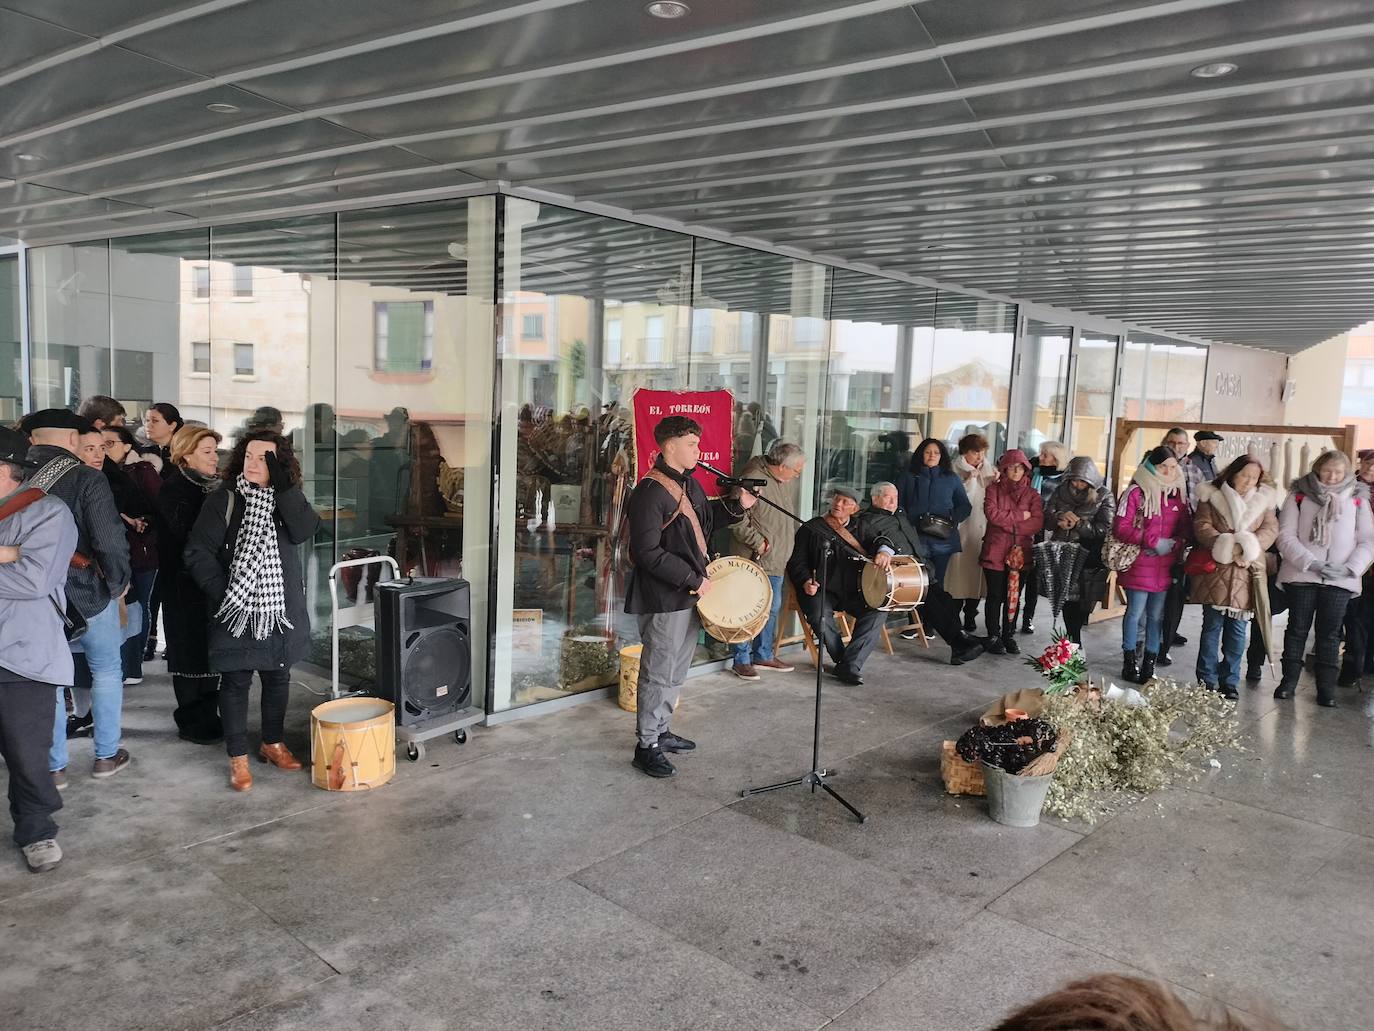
<point>1326,687</point>
<point>1009,644</point>
<point>965,651</point>
<point>1288,685</point>
<point>1130,672</point>
<point>1254,674</point>
<point>1348,678</point>
<point>1027,624</point>
<point>1147,668</point>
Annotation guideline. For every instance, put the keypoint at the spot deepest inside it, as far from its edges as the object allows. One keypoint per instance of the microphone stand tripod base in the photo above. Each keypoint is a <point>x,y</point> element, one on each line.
<point>815,779</point>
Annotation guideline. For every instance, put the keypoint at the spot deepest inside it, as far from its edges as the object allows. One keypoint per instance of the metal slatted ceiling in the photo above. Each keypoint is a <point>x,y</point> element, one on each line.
<point>895,135</point>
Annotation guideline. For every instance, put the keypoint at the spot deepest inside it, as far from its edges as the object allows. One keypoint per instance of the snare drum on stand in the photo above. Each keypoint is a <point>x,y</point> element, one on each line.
<point>737,606</point>
<point>898,588</point>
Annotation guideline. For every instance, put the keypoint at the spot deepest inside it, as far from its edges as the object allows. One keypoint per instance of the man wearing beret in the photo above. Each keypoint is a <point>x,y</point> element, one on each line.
<point>1201,464</point>
<point>97,578</point>
<point>842,583</point>
<point>37,540</point>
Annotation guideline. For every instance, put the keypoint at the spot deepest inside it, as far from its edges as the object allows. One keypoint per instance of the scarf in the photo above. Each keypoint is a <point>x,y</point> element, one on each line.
<point>257,593</point>
<point>1319,494</point>
<point>985,473</point>
<point>1154,491</point>
<point>205,483</point>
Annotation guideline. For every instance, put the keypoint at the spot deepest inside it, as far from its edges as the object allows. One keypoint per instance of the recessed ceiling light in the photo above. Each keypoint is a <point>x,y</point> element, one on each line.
<point>222,109</point>
<point>1215,70</point>
<point>1042,178</point>
<point>387,225</point>
<point>668,9</point>
<point>28,157</point>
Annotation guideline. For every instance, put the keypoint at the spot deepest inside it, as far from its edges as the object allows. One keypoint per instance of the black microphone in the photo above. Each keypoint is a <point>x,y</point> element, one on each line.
<point>726,480</point>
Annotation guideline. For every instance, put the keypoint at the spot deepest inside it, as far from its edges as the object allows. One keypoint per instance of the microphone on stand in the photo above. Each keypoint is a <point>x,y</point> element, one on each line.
<point>724,479</point>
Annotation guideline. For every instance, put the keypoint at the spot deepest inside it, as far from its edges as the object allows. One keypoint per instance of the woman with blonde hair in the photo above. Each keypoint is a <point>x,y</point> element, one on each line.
<point>1326,541</point>
<point>964,580</point>
<point>193,472</point>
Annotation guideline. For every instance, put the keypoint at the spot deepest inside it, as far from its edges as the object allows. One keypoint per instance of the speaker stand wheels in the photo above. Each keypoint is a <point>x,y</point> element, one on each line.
<point>460,736</point>
<point>415,751</point>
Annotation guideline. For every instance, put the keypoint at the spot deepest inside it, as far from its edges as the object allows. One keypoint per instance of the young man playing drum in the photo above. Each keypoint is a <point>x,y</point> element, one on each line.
<point>670,522</point>
<point>886,523</point>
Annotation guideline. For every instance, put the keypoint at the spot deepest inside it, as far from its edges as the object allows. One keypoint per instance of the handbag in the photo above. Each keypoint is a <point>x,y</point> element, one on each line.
<point>1119,555</point>
<point>935,526</point>
<point>1199,562</point>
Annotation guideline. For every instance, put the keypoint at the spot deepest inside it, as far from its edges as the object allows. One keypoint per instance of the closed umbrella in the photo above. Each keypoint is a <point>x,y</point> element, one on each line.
<point>1264,619</point>
<point>1059,568</point>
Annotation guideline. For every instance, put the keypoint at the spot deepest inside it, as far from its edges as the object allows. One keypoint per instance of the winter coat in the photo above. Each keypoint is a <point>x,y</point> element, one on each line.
<point>1015,515</point>
<point>844,572</point>
<point>935,492</point>
<point>133,501</point>
<point>210,556</point>
<point>765,523</point>
<point>1150,572</point>
<point>1095,508</point>
<point>964,577</point>
<point>184,615</point>
<point>668,565</point>
<point>33,640</point>
<point>1352,542</point>
<point>1215,530</point>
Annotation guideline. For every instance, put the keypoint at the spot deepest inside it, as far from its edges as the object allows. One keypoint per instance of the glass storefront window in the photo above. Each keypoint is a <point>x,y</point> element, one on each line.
<point>69,323</point>
<point>11,357</point>
<point>1043,392</point>
<point>970,374</point>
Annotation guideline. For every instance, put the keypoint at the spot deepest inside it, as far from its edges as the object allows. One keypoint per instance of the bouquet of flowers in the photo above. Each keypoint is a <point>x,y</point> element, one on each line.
<point>1062,664</point>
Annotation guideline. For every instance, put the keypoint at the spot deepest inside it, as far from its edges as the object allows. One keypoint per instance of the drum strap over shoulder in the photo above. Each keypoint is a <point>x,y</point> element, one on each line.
<point>684,506</point>
<point>843,533</point>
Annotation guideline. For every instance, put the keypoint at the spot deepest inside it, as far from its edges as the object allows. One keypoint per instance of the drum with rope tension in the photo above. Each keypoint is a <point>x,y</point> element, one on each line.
<point>737,606</point>
<point>898,588</point>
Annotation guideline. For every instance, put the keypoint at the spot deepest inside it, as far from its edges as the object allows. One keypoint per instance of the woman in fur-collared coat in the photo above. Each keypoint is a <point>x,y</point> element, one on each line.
<point>1235,524</point>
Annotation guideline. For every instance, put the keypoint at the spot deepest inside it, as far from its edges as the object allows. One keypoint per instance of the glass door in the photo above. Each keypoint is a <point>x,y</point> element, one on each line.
<point>1041,408</point>
<point>11,350</point>
<point>1094,381</point>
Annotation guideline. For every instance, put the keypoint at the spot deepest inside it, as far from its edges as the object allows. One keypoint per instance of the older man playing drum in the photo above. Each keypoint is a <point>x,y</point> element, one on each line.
<point>885,525</point>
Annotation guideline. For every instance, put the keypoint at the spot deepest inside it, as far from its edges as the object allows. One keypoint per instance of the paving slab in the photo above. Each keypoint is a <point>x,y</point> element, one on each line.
<point>552,957</point>
<point>156,944</point>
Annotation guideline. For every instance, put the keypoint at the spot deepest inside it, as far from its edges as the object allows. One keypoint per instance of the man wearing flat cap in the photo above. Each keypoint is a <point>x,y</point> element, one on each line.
<point>843,583</point>
<point>1201,463</point>
<point>98,577</point>
<point>37,539</point>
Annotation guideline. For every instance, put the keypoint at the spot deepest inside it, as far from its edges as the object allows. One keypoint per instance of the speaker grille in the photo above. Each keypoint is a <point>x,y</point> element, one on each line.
<point>436,672</point>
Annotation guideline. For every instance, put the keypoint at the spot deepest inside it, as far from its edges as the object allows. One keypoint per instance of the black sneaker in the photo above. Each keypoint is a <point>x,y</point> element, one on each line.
<point>1163,660</point>
<point>80,726</point>
<point>1229,692</point>
<point>1178,641</point>
<point>652,761</point>
<point>1012,648</point>
<point>1028,627</point>
<point>995,646</point>
<point>1254,675</point>
<point>670,742</point>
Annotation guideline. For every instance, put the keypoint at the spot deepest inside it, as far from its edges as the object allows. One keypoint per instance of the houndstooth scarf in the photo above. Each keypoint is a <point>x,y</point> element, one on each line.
<point>257,593</point>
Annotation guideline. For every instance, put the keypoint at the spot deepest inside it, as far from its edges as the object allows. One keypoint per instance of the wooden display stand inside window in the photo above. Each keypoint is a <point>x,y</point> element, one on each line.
<point>1342,437</point>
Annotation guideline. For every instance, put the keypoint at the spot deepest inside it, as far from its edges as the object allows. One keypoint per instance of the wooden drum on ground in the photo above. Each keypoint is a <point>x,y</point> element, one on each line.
<point>352,744</point>
<point>898,588</point>
<point>739,601</point>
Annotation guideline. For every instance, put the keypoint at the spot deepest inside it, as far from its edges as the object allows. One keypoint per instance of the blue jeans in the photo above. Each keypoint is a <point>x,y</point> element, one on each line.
<point>1151,605</point>
<point>761,647</point>
<point>1230,634</point>
<point>102,643</point>
<point>141,591</point>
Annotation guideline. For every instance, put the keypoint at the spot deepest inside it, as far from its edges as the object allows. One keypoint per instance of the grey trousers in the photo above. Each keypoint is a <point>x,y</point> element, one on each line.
<point>669,640</point>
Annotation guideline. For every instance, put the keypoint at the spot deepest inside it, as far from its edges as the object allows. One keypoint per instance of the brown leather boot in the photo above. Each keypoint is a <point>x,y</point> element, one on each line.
<point>240,779</point>
<point>279,757</point>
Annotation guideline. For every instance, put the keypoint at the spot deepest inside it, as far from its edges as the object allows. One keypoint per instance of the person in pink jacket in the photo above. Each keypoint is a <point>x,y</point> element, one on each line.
<point>1326,542</point>
<point>1015,515</point>
<point>1154,514</point>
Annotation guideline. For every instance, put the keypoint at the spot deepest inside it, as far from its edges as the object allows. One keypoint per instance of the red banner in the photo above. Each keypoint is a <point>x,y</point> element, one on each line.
<point>712,408</point>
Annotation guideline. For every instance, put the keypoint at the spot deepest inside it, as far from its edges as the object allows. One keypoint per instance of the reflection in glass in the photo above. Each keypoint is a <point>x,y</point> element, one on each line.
<point>11,358</point>
<point>970,371</point>
<point>69,323</point>
<point>1043,393</point>
<point>1094,379</point>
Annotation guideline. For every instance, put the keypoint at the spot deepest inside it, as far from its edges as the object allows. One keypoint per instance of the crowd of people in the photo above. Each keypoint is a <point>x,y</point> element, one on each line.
<point>99,529</point>
<point>1183,532</point>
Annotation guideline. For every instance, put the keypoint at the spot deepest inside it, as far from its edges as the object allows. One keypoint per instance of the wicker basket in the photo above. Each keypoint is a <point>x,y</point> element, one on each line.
<point>961,778</point>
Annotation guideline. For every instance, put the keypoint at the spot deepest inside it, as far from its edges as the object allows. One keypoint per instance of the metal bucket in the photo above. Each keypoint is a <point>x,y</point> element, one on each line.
<point>1015,801</point>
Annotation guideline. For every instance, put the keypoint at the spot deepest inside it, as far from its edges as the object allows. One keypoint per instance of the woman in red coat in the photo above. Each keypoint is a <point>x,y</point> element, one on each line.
<point>1015,515</point>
